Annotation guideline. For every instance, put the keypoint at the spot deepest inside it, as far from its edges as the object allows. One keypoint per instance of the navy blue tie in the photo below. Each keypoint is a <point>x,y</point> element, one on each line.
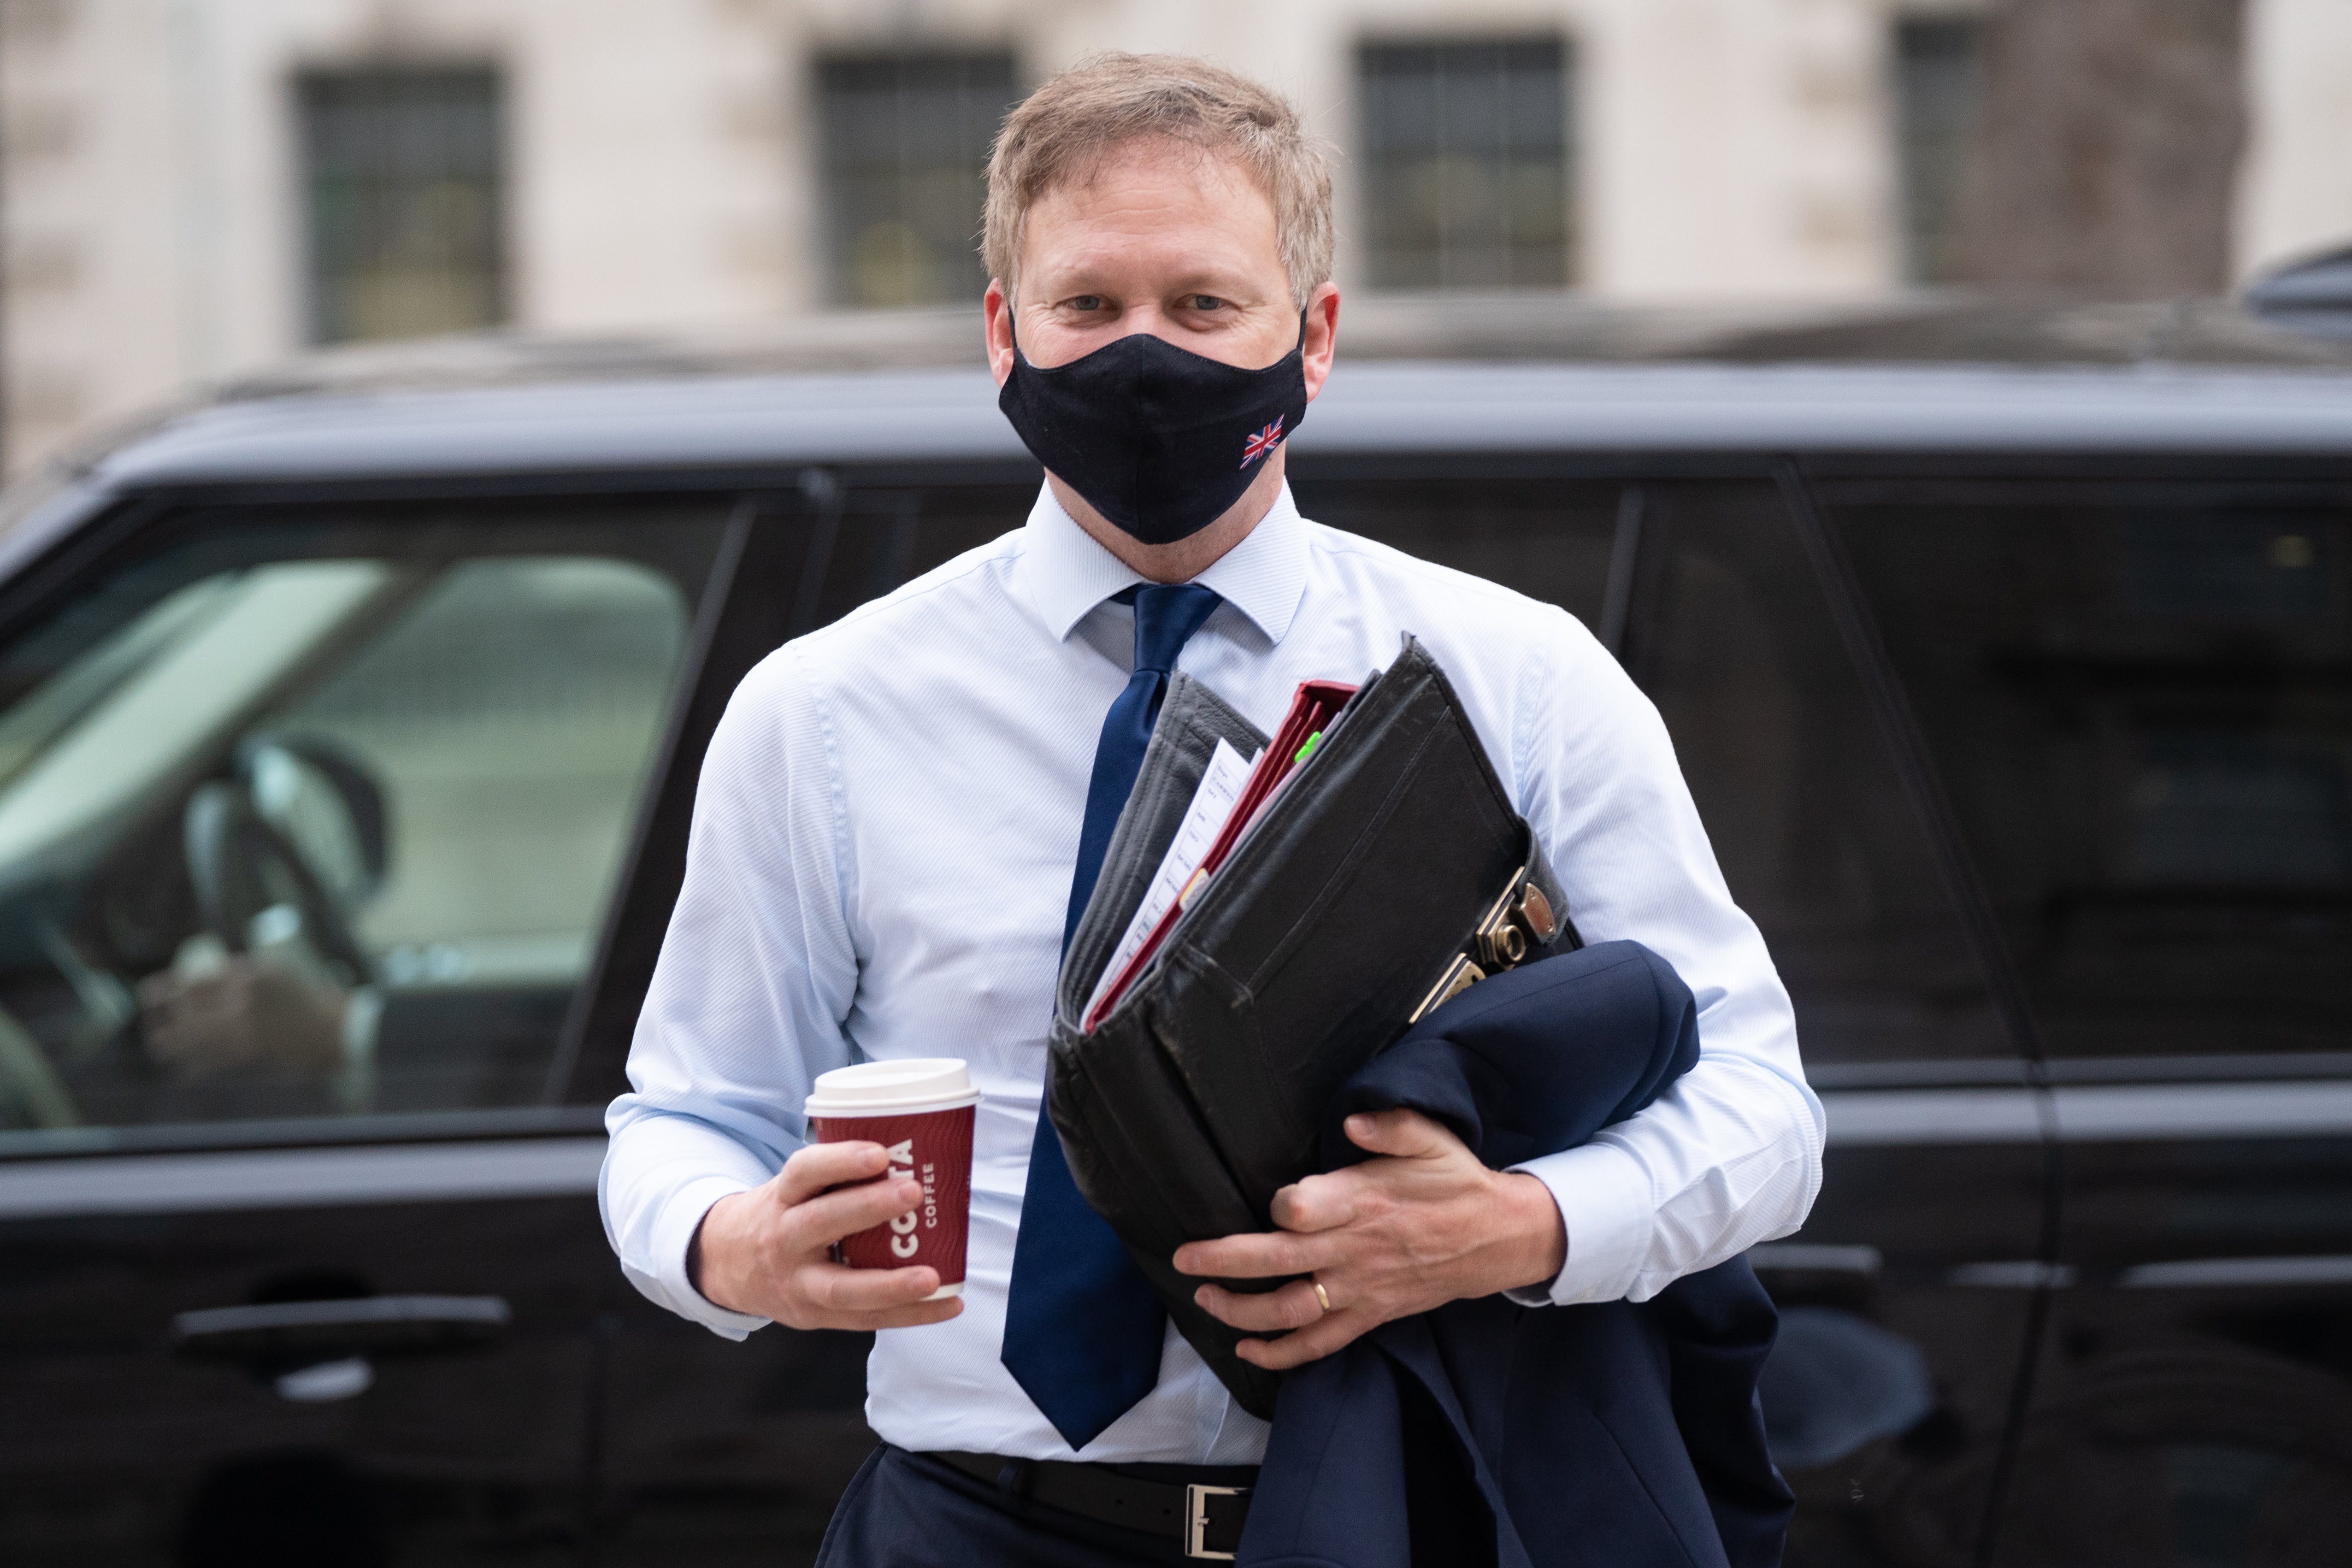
<point>1082,1329</point>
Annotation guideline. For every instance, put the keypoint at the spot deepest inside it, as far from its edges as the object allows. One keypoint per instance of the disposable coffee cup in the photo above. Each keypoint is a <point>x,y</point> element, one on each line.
<point>919,1108</point>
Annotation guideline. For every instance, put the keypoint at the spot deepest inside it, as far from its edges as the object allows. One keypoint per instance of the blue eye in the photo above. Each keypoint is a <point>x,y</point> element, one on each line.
<point>1205,301</point>
<point>1087,302</point>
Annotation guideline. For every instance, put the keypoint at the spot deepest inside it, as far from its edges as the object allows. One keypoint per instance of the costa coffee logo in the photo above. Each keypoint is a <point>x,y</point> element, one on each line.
<point>903,1242</point>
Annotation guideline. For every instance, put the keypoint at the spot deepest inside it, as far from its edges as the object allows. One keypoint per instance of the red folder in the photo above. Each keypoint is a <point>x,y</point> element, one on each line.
<point>1312,709</point>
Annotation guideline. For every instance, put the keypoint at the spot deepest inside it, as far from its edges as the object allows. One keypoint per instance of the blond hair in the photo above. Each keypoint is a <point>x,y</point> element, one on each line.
<point>1061,131</point>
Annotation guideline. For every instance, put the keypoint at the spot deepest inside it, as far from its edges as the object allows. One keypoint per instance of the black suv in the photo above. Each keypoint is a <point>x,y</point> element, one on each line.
<point>348,728</point>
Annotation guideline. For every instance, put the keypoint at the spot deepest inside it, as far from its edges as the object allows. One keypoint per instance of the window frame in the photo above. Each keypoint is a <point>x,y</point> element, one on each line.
<point>835,172</point>
<point>305,84</point>
<point>1371,159</point>
<point>1926,240</point>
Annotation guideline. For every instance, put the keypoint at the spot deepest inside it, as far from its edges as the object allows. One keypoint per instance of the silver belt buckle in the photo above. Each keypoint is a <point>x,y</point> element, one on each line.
<point>1196,1519</point>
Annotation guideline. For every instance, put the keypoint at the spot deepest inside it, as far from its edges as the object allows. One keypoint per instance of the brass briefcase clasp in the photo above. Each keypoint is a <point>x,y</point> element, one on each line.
<point>1533,912</point>
<point>1516,925</point>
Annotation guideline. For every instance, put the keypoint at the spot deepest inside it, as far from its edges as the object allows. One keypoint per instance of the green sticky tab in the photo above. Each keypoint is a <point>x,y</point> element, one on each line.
<point>1307,749</point>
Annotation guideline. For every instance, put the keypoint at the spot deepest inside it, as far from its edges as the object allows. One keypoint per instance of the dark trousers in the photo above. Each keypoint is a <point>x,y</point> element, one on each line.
<point>905,1511</point>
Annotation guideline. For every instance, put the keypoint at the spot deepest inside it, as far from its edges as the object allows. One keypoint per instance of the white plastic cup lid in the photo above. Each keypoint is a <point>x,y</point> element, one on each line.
<point>869,1087</point>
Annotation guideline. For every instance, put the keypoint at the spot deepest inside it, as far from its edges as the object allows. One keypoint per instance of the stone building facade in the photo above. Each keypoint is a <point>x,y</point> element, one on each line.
<point>194,188</point>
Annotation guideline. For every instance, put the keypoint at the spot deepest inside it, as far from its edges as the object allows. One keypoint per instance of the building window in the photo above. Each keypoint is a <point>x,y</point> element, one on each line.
<point>1466,164</point>
<point>404,187</point>
<point>904,141</point>
<point>1938,84</point>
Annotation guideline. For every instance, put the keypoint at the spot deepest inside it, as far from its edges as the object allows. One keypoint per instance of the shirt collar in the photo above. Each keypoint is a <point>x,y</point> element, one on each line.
<point>1064,573</point>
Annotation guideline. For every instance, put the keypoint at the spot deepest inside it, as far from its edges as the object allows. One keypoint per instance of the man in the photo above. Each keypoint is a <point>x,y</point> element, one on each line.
<point>882,865</point>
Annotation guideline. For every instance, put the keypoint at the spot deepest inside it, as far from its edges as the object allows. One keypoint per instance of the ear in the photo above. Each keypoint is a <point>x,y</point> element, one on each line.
<point>1322,336</point>
<point>997,311</point>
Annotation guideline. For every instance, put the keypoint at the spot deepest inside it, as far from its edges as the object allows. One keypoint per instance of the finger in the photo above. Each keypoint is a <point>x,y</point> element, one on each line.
<point>1318,1202</point>
<point>820,1165</point>
<point>822,1221</point>
<point>835,1287</point>
<point>913,1317</point>
<point>1294,1306</point>
<point>1260,1257</point>
<point>1312,1342</point>
<point>1402,1135</point>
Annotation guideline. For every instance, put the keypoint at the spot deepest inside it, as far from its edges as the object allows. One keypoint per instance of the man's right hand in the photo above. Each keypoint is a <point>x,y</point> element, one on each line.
<point>764,1251</point>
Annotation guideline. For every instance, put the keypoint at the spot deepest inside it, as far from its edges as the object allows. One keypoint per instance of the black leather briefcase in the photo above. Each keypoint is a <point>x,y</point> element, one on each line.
<point>1387,875</point>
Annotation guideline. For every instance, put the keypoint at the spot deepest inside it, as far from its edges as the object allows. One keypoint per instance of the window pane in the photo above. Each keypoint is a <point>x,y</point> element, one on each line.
<point>1815,832</point>
<point>324,821</point>
<point>403,196</point>
<point>507,714</point>
<point>1939,88</point>
<point>904,140</point>
<point>403,191</point>
<point>2139,704</point>
<point>1466,164</point>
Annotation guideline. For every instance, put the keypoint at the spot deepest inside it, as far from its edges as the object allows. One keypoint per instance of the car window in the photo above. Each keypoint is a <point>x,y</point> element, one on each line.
<point>883,536</point>
<point>1820,844</point>
<point>1546,537</point>
<point>2137,698</point>
<point>321,817</point>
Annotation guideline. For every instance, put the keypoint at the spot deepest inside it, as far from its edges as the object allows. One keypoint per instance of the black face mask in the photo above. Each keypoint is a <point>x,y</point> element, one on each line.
<point>1158,439</point>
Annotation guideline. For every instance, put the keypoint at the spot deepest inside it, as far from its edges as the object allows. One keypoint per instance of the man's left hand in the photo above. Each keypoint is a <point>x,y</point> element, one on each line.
<point>1421,1225</point>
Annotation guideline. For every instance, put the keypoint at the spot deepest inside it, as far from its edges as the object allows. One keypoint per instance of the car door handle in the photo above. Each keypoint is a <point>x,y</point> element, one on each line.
<point>1815,1258</point>
<point>280,1334</point>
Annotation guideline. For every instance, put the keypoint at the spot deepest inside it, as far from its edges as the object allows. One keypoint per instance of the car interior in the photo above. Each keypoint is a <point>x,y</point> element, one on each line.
<point>292,826</point>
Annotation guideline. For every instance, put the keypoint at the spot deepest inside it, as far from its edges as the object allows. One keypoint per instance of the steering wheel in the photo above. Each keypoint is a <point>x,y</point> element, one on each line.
<point>241,864</point>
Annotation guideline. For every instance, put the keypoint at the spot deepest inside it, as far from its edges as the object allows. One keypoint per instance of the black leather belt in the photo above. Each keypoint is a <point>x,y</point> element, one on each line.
<point>1204,1521</point>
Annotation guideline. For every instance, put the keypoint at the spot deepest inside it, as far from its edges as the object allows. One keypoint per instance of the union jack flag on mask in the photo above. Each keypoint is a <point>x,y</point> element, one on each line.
<point>1259,444</point>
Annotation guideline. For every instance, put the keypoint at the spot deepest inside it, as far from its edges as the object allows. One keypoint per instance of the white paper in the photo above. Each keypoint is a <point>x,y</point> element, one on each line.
<point>1220,787</point>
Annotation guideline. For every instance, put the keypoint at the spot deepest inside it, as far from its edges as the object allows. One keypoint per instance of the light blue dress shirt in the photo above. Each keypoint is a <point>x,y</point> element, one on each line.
<point>880,860</point>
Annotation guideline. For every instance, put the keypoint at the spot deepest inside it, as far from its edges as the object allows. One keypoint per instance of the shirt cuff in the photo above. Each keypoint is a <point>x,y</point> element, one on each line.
<point>673,1233</point>
<point>1606,1208</point>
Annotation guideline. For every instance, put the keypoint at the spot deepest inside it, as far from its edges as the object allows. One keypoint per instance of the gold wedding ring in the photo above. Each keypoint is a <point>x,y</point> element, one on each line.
<point>1321,1294</point>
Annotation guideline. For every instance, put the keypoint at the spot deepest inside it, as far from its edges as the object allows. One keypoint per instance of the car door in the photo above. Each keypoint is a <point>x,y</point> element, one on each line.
<point>2136,685</point>
<point>1906,1296</point>
<point>311,812</point>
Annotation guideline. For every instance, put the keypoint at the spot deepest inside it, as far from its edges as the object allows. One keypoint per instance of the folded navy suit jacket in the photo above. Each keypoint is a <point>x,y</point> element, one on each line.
<point>1616,1434</point>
